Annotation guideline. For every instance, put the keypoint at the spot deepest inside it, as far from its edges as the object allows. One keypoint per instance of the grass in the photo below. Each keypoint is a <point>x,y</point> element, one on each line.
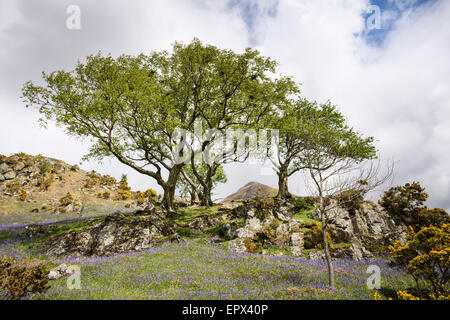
<point>304,215</point>
<point>193,269</point>
<point>186,215</point>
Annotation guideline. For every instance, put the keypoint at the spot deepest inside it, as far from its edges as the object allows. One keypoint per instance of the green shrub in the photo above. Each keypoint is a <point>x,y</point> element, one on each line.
<point>405,204</point>
<point>23,195</point>
<point>45,166</point>
<point>13,186</point>
<point>303,203</point>
<point>250,245</point>
<point>44,182</point>
<point>66,200</point>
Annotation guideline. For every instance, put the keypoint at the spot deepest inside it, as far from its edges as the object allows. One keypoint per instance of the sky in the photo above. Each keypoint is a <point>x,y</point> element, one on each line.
<point>384,63</point>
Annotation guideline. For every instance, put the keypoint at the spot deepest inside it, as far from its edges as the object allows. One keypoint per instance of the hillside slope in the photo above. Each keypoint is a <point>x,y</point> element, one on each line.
<point>38,184</point>
<point>252,190</point>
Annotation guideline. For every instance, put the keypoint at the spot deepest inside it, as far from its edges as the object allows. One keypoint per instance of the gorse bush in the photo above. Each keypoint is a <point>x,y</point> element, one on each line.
<point>44,182</point>
<point>104,195</point>
<point>18,281</point>
<point>23,195</point>
<point>313,237</point>
<point>107,180</point>
<point>67,199</point>
<point>13,186</point>
<point>405,204</point>
<point>426,256</point>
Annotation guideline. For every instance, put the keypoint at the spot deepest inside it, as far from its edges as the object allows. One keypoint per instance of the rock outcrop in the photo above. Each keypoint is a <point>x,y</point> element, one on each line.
<point>25,170</point>
<point>268,222</point>
<point>358,235</point>
<point>113,234</point>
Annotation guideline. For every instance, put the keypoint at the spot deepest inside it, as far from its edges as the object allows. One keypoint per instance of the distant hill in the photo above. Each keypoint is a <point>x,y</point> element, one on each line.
<point>252,190</point>
<point>32,184</point>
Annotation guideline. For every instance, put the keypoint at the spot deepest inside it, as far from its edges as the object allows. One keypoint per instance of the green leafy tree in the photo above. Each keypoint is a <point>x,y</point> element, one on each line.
<point>131,107</point>
<point>332,151</point>
<point>286,159</point>
<point>188,184</point>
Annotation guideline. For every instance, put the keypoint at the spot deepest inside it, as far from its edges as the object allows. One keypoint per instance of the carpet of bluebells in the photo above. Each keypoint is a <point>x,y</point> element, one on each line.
<point>196,270</point>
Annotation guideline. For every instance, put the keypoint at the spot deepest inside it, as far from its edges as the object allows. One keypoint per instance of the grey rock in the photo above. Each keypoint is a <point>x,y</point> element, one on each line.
<point>316,255</point>
<point>9,175</point>
<point>19,166</point>
<point>115,234</point>
<point>230,205</point>
<point>297,244</point>
<point>4,168</point>
<point>228,230</point>
<point>203,223</point>
<point>237,245</point>
<point>251,227</point>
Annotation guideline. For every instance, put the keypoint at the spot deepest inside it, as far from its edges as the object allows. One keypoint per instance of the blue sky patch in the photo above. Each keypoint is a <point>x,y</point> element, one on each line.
<point>391,11</point>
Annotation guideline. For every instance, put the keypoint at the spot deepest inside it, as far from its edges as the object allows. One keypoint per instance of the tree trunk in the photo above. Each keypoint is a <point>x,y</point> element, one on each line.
<point>169,188</point>
<point>194,196</point>
<point>208,186</point>
<point>325,245</point>
<point>283,192</point>
<point>206,195</point>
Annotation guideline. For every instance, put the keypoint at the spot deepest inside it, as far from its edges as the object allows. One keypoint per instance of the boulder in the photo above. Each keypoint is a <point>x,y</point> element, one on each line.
<point>19,166</point>
<point>297,243</point>
<point>202,223</point>
<point>111,235</point>
<point>228,230</point>
<point>251,227</point>
<point>9,175</point>
<point>4,168</point>
<point>237,245</point>
<point>316,255</point>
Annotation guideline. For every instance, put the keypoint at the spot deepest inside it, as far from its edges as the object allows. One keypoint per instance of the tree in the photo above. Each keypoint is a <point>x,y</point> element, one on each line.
<point>244,90</point>
<point>291,141</point>
<point>188,184</point>
<point>331,153</point>
<point>131,107</point>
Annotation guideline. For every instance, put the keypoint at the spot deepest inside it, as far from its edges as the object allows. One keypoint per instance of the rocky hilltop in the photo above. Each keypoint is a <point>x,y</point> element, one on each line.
<point>38,184</point>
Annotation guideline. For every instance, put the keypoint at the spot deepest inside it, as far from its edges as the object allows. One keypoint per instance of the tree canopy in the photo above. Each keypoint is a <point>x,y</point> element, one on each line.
<point>131,106</point>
